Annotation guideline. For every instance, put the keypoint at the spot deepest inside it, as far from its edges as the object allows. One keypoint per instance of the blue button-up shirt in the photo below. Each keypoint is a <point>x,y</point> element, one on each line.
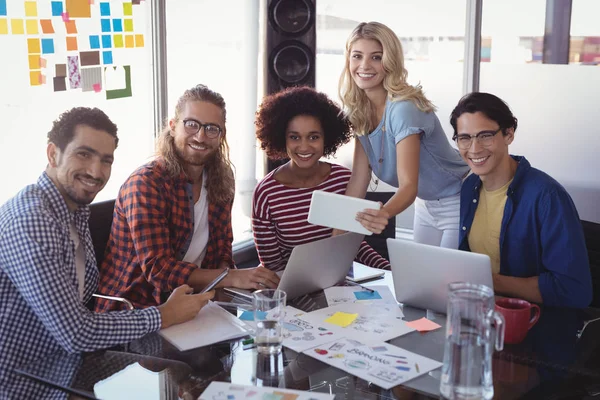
<point>40,307</point>
<point>541,235</point>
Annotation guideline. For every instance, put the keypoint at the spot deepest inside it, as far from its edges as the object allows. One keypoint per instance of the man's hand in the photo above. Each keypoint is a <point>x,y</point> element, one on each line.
<point>374,220</point>
<point>182,305</point>
<point>254,278</point>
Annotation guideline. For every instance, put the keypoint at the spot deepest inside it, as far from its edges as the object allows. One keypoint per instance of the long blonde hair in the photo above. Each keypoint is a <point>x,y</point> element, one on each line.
<point>220,178</point>
<point>355,101</point>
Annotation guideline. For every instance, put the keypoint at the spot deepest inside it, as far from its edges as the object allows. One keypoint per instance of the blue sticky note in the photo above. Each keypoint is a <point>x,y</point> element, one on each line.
<point>105,9</point>
<point>106,42</point>
<point>117,25</point>
<point>3,7</point>
<point>366,295</point>
<point>94,42</point>
<point>57,8</point>
<point>249,315</point>
<point>107,57</point>
<point>47,46</point>
<point>105,24</point>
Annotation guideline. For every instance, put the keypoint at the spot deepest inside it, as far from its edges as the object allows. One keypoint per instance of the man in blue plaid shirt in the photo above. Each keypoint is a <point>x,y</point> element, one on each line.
<point>47,265</point>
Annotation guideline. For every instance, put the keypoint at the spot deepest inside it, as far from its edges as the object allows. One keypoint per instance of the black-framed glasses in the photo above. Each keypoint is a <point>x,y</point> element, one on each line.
<point>484,138</point>
<point>193,126</point>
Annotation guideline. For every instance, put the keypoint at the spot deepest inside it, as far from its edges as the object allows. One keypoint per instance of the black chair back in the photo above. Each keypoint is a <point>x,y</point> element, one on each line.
<point>378,241</point>
<point>591,231</point>
<point>101,216</point>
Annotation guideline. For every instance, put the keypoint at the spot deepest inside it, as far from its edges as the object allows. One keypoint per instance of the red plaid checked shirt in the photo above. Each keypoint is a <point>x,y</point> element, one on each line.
<point>151,232</point>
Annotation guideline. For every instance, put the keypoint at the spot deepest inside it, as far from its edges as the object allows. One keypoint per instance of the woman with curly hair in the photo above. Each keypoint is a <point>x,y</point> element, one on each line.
<point>399,138</point>
<point>303,125</point>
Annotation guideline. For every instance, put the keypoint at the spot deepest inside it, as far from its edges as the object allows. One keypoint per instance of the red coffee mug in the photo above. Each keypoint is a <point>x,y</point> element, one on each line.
<point>518,318</point>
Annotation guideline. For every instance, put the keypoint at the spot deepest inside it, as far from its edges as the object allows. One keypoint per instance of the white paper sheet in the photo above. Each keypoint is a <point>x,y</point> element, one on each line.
<point>229,391</point>
<point>211,325</point>
<point>301,334</point>
<point>381,363</point>
<point>353,294</point>
<point>374,323</point>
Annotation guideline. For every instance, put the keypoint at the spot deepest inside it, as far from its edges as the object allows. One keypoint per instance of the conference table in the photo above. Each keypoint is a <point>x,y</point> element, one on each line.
<point>553,362</point>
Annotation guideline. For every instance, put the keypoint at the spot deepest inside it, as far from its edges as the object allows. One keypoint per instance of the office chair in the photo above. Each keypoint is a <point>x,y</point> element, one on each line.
<point>378,240</point>
<point>591,232</point>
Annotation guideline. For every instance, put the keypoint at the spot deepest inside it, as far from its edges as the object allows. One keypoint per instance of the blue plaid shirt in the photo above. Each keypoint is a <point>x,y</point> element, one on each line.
<point>40,307</point>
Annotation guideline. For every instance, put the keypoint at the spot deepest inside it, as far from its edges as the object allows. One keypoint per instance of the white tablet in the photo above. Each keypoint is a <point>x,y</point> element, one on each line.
<point>338,211</point>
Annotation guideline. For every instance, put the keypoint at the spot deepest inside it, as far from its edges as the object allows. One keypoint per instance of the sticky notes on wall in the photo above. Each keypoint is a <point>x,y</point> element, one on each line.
<point>31,9</point>
<point>47,46</point>
<point>127,9</point>
<point>118,41</point>
<point>31,26</point>
<point>94,42</point>
<point>3,8</point>
<point>78,8</point>
<point>72,43</point>
<point>71,27</point>
<point>3,26</point>
<point>17,27</point>
<point>57,8</point>
<point>46,25</point>
<point>33,46</point>
<point>128,25</point>
<point>139,40</point>
<point>105,9</point>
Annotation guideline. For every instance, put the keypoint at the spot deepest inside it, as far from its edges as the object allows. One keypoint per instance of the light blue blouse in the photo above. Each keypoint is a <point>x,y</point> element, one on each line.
<point>441,168</point>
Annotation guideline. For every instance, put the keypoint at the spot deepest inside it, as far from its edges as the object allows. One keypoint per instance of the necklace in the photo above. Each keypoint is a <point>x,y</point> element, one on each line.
<point>380,159</point>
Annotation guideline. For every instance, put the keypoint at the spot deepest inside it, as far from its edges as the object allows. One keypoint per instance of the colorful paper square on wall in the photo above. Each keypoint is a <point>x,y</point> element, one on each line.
<point>34,62</point>
<point>106,42</point>
<point>31,9</point>
<point>127,9</point>
<point>117,25</point>
<point>57,8</point>
<point>72,43</point>
<point>105,24</point>
<point>129,41</point>
<point>31,26</point>
<point>107,57</point>
<point>3,26</point>
<point>16,26</point>
<point>139,40</point>
<point>71,27</point>
<point>128,25</point>
<point>47,46</point>
<point>35,78</point>
<point>118,41</point>
<point>94,42</point>
<point>46,25</point>
<point>3,7</point>
<point>105,9</point>
<point>78,8</point>
<point>33,46</point>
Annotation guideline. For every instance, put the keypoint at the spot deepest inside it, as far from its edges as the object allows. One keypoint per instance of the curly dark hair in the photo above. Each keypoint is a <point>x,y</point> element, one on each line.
<point>63,129</point>
<point>276,111</point>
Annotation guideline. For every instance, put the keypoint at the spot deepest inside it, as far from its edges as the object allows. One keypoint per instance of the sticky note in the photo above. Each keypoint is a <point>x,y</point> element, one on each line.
<point>35,78</point>
<point>129,41</point>
<point>89,58</point>
<point>3,8</point>
<point>34,62</point>
<point>31,26</point>
<point>47,46</point>
<point>60,70</point>
<point>71,27</point>
<point>139,40</point>
<point>46,25</point>
<point>57,8</point>
<point>342,319</point>
<point>33,46</point>
<point>3,26</point>
<point>423,325</point>
<point>128,25</point>
<point>78,8</point>
<point>105,9</point>
<point>118,41</point>
<point>31,9</point>
<point>16,26</point>
<point>97,87</point>
<point>366,295</point>
<point>249,315</point>
<point>106,42</point>
<point>42,62</point>
<point>60,84</point>
<point>65,16</point>
<point>107,57</point>
<point>72,43</point>
<point>127,9</point>
<point>117,25</point>
<point>105,24</point>
<point>42,79</point>
<point>94,42</point>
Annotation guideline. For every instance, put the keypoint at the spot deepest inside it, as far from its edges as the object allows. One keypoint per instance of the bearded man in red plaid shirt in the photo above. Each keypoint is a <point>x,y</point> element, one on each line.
<point>172,218</point>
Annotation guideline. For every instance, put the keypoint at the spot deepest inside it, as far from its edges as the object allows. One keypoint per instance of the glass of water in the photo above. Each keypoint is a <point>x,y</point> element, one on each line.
<point>269,310</point>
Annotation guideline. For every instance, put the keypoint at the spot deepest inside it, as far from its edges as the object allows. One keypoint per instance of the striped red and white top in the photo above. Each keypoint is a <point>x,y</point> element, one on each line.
<point>279,220</point>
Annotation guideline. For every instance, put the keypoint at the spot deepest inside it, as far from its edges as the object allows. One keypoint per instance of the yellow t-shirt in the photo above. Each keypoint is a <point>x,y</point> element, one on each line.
<point>484,236</point>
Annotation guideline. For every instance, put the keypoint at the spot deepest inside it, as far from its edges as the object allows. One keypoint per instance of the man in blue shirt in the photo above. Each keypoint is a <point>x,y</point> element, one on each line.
<point>518,215</point>
<point>47,265</point>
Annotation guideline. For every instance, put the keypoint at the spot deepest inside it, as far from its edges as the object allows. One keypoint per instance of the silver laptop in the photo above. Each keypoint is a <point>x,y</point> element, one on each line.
<point>316,265</point>
<point>422,272</point>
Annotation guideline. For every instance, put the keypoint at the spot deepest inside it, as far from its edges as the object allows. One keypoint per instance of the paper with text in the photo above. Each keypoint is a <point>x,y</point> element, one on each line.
<point>229,391</point>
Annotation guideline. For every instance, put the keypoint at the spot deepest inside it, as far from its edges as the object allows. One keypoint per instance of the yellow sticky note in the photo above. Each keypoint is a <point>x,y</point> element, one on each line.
<point>139,40</point>
<point>129,41</point>
<point>31,9</point>
<point>3,26</point>
<point>127,9</point>
<point>16,26</point>
<point>128,25</point>
<point>118,41</point>
<point>35,78</point>
<point>34,62</point>
<point>31,25</point>
<point>33,46</point>
<point>342,319</point>
<point>78,8</point>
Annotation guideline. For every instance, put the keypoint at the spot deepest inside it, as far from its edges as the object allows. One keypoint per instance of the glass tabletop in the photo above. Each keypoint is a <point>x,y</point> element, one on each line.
<point>552,362</point>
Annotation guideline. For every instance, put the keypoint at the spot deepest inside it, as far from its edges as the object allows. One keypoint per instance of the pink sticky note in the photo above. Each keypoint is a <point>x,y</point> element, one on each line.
<point>65,16</point>
<point>97,87</point>
<point>42,62</point>
<point>423,325</point>
<point>91,1</point>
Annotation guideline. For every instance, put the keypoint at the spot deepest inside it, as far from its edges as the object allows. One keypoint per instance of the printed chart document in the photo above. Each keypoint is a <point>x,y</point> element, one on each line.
<point>380,323</point>
<point>229,391</point>
<point>381,363</point>
<point>356,294</point>
<point>211,325</point>
<point>301,334</point>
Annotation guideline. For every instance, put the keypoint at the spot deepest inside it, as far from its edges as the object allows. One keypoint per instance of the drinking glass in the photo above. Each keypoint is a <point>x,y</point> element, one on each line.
<point>269,305</point>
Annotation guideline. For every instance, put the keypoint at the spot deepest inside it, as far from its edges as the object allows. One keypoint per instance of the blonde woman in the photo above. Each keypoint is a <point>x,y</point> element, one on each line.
<point>399,138</point>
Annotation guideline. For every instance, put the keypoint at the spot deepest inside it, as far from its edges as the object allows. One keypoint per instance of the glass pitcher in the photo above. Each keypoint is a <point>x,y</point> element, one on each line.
<point>473,329</point>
